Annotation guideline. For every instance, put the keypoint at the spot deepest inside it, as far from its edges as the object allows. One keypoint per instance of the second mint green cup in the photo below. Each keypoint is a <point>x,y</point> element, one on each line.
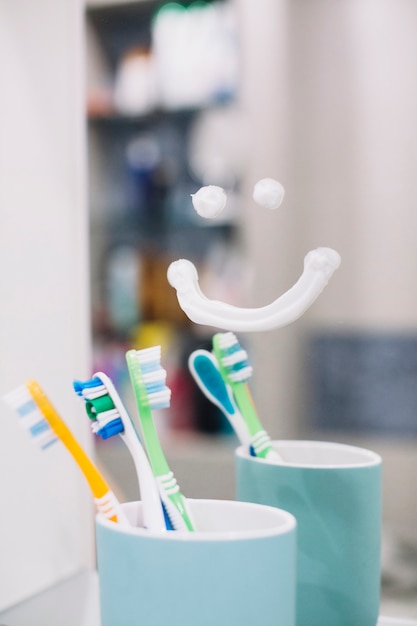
<point>237,569</point>
<point>334,492</point>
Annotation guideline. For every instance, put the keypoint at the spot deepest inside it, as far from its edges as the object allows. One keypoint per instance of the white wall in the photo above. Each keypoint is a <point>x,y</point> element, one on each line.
<point>46,509</point>
<point>353,92</point>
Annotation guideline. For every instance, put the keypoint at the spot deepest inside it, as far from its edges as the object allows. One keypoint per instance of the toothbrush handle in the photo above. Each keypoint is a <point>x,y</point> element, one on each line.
<point>161,469</point>
<point>175,502</point>
<point>246,406</point>
<point>153,517</point>
<point>181,505</point>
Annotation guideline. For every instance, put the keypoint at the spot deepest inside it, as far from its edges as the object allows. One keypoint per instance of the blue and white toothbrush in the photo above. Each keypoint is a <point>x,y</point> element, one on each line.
<point>109,418</point>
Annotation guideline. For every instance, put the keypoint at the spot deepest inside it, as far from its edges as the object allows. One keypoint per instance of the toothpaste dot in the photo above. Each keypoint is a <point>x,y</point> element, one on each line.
<point>209,201</point>
<point>268,193</point>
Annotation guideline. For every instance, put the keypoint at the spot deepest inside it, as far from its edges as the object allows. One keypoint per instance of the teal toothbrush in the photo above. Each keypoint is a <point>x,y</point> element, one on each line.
<point>148,377</point>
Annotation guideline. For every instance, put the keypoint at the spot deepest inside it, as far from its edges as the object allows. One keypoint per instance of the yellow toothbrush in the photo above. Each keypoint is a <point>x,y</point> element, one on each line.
<point>39,416</point>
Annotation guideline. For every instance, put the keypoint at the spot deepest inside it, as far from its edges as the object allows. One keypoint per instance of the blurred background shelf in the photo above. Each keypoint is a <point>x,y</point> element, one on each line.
<point>148,151</point>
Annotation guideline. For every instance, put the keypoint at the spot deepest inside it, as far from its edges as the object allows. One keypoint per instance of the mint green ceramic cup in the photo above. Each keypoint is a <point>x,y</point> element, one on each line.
<point>238,569</point>
<point>334,492</point>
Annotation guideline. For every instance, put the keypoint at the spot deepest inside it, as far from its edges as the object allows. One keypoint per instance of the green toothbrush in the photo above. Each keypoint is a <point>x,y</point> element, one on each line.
<point>148,377</point>
<point>236,371</point>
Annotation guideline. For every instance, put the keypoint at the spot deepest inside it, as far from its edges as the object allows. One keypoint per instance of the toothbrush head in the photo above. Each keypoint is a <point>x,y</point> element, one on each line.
<point>102,405</point>
<point>232,359</point>
<point>148,378</point>
<point>30,416</point>
<point>205,371</point>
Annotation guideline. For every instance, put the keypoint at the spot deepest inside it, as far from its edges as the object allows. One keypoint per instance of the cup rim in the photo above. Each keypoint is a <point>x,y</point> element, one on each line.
<point>286,523</point>
<point>370,458</point>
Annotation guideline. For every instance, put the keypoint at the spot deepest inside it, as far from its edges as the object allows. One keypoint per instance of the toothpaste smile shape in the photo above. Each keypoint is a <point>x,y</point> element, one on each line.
<point>319,266</point>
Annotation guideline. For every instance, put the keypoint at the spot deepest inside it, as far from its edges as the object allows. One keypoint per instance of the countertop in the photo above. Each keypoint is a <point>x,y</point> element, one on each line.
<point>75,602</point>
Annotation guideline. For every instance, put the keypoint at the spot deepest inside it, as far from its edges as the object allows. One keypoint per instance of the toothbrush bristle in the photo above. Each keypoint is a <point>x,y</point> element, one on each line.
<point>233,358</point>
<point>30,417</point>
<point>93,386</point>
<point>100,407</point>
<point>154,377</point>
<point>107,425</point>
